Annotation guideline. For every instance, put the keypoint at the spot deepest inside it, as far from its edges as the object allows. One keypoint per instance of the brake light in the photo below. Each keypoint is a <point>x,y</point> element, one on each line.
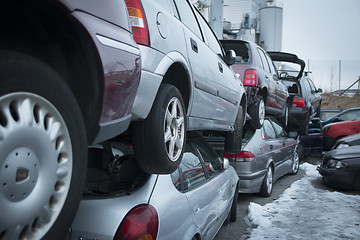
<point>250,77</point>
<point>243,156</point>
<point>141,223</point>
<point>298,102</point>
<point>138,22</point>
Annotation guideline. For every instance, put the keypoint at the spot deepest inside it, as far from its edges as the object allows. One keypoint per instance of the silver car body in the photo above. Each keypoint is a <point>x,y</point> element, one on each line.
<point>213,92</point>
<point>275,151</point>
<point>199,211</point>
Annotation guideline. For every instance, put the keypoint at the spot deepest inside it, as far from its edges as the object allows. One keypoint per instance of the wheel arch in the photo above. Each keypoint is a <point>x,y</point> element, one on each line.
<point>178,76</point>
<point>47,32</point>
<point>263,92</point>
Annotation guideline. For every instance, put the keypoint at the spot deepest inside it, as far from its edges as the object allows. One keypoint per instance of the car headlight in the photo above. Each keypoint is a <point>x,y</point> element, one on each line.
<point>342,145</point>
<point>336,164</point>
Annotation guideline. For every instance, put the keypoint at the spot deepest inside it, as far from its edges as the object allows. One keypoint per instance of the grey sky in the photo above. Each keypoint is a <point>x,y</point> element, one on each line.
<point>328,33</point>
<point>322,29</point>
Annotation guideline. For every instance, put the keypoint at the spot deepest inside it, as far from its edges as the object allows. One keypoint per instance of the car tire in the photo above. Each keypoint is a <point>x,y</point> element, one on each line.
<point>304,127</point>
<point>257,113</point>
<point>284,120</point>
<point>159,139</point>
<point>233,210</point>
<point>267,184</point>
<point>233,140</point>
<point>295,162</point>
<point>356,182</point>
<point>43,150</point>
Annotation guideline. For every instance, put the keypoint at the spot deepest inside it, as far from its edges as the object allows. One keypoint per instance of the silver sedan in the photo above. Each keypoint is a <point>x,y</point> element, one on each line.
<point>122,202</point>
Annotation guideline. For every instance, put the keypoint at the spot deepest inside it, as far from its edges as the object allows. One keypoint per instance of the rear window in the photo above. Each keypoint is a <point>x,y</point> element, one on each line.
<point>241,49</point>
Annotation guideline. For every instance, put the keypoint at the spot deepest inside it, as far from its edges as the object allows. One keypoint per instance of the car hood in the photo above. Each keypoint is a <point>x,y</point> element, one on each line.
<point>344,153</point>
<point>352,140</point>
<point>288,57</point>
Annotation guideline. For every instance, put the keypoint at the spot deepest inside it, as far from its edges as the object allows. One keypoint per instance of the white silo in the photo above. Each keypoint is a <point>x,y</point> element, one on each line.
<point>271,17</point>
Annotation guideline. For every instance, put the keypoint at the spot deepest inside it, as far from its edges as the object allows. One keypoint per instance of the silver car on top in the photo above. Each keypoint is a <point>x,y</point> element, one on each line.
<point>123,202</point>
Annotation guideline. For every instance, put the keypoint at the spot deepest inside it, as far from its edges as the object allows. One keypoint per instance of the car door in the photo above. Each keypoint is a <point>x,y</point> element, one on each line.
<point>193,184</point>
<point>281,92</point>
<point>221,185</point>
<point>268,82</point>
<point>203,63</point>
<point>286,148</point>
<point>227,84</point>
<point>273,144</point>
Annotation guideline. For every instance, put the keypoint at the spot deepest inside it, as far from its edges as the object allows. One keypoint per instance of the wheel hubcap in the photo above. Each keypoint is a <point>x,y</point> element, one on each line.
<point>295,162</point>
<point>269,180</point>
<point>35,165</point>
<point>261,112</point>
<point>174,132</point>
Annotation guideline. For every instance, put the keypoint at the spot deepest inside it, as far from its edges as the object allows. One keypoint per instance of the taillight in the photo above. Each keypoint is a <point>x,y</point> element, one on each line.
<point>141,223</point>
<point>250,77</point>
<point>243,156</point>
<point>138,22</point>
<point>298,102</point>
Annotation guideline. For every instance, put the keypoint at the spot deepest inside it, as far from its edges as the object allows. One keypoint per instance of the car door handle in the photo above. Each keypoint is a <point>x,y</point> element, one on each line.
<point>221,68</point>
<point>196,211</point>
<point>283,144</point>
<point>194,45</point>
<point>271,147</point>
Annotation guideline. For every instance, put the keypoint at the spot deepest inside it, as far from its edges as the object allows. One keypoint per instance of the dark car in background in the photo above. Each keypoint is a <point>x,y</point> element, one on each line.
<point>341,168</point>
<point>267,154</point>
<point>266,94</point>
<point>69,75</point>
<point>305,97</point>
<point>123,202</point>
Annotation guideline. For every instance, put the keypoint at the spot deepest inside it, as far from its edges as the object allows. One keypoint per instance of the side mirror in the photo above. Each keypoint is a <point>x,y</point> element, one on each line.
<point>230,57</point>
<point>226,163</point>
<point>320,90</point>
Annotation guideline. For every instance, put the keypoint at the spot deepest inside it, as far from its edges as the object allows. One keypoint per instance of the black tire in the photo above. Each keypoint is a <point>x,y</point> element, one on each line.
<point>267,184</point>
<point>304,126</point>
<point>295,162</point>
<point>233,139</point>
<point>152,149</point>
<point>257,113</point>
<point>233,210</point>
<point>284,120</point>
<point>40,122</point>
<point>356,182</point>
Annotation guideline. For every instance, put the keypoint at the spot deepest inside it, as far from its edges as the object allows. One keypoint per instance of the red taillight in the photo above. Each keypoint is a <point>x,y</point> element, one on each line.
<point>298,102</point>
<point>243,156</point>
<point>138,22</point>
<point>141,223</point>
<point>250,77</point>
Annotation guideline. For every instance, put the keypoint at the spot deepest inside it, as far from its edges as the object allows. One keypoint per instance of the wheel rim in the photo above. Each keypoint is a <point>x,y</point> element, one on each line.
<point>286,115</point>
<point>35,165</point>
<point>295,162</point>
<point>261,112</point>
<point>174,129</point>
<point>269,180</point>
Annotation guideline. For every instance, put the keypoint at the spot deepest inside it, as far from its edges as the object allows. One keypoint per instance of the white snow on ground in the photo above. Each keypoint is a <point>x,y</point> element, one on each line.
<point>305,212</point>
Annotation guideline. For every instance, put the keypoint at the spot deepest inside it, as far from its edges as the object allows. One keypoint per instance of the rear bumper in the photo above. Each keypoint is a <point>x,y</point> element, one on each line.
<point>251,182</point>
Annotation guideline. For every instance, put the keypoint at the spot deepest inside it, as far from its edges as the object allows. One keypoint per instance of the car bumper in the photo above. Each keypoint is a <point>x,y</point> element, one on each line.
<point>251,182</point>
<point>338,178</point>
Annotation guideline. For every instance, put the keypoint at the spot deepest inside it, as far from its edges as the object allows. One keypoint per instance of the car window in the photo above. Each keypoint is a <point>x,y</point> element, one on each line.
<point>312,85</point>
<point>211,40</point>
<point>187,16</point>
<point>279,130</point>
<point>241,49</point>
<point>265,65</point>
<point>350,116</point>
<point>271,65</point>
<point>191,169</point>
<point>211,159</point>
<point>269,132</point>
